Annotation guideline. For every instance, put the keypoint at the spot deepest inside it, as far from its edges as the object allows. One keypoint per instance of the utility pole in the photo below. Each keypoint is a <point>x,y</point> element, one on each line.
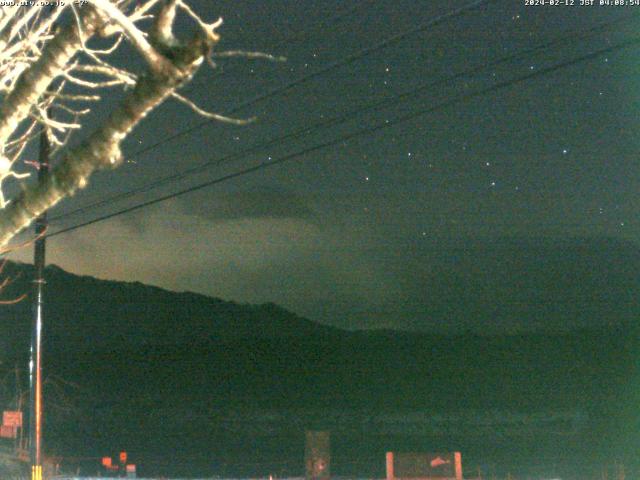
<point>35,361</point>
<point>18,444</point>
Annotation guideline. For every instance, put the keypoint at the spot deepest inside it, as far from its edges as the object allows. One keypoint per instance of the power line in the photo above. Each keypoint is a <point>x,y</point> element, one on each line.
<point>328,68</point>
<point>355,134</point>
<point>372,106</point>
<point>358,133</point>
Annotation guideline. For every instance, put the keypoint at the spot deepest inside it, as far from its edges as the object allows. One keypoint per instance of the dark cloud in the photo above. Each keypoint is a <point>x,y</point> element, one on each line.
<point>264,202</point>
<point>365,233</point>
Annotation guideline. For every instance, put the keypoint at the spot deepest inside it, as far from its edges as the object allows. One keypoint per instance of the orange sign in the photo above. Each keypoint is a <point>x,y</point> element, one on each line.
<point>123,457</point>
<point>12,418</point>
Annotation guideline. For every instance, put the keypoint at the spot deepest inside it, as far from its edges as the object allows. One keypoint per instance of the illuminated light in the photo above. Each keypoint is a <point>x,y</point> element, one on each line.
<point>36,472</point>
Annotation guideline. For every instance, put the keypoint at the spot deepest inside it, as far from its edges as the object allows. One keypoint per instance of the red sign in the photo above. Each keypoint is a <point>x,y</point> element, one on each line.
<point>131,468</point>
<point>106,462</point>
<point>123,457</point>
<point>8,431</point>
<point>12,418</point>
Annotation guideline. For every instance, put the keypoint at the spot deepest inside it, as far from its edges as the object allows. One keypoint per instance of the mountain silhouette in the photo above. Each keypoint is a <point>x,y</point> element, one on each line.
<point>193,385</point>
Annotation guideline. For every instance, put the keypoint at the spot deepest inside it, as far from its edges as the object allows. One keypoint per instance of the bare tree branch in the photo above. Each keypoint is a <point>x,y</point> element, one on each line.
<point>155,60</point>
<point>248,54</point>
<point>35,81</point>
<point>101,149</point>
<point>214,116</point>
<point>44,69</point>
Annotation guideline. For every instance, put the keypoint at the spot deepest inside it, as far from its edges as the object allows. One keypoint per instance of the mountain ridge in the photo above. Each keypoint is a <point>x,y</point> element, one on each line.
<point>84,310</point>
<point>158,372</point>
<point>507,286</point>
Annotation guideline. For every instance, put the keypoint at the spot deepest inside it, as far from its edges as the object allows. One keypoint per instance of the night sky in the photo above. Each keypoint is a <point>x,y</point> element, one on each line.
<point>347,234</point>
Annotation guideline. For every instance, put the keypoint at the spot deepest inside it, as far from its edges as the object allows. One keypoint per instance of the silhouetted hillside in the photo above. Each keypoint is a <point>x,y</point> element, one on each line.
<point>195,385</point>
<point>84,312</point>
